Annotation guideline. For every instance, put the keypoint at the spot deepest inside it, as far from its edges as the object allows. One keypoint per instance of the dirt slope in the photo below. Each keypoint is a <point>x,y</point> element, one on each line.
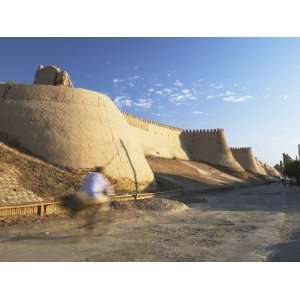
<point>24,178</point>
<point>27,179</point>
<point>185,174</point>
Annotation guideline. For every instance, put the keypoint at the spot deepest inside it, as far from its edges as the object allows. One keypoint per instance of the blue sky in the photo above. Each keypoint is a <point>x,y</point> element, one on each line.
<point>248,86</point>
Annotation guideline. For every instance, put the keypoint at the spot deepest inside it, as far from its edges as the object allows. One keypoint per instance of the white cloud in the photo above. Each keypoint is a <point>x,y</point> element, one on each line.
<point>167,91</point>
<point>179,98</point>
<point>229,93</point>
<point>129,80</point>
<point>216,86</point>
<point>178,83</point>
<point>151,90</point>
<point>237,99</point>
<point>123,101</point>
<point>159,114</point>
<point>144,103</point>
<point>170,73</point>
<point>230,96</point>
<point>135,77</point>
<point>131,84</point>
<point>284,97</point>
<point>117,80</point>
<point>158,92</point>
<point>186,91</point>
<point>197,112</point>
<point>210,96</point>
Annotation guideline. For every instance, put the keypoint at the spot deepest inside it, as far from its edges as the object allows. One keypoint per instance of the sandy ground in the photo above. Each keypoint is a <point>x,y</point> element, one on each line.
<point>251,224</point>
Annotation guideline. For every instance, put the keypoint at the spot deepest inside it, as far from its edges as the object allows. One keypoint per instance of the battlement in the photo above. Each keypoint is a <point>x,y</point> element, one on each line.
<point>184,131</point>
<point>202,131</point>
<point>241,148</point>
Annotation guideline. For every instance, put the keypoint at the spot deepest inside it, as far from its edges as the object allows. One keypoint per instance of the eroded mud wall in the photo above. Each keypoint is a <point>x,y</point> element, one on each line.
<point>245,157</point>
<point>209,146</point>
<point>75,128</point>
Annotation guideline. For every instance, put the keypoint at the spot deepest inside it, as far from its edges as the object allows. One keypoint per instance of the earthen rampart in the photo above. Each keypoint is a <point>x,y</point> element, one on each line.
<point>210,146</point>
<point>261,167</point>
<point>205,145</point>
<point>244,155</point>
<point>76,128</point>
<point>81,129</point>
<point>271,171</point>
<point>157,139</point>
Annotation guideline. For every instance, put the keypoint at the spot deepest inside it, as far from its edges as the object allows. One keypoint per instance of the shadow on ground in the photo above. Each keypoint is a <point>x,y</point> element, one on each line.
<point>272,199</point>
<point>42,237</point>
<point>286,252</point>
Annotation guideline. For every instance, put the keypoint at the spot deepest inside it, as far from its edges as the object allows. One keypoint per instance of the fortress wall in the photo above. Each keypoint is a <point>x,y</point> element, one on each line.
<point>271,171</point>
<point>76,128</point>
<point>261,167</point>
<point>166,141</point>
<point>245,157</point>
<point>209,146</point>
<point>157,139</point>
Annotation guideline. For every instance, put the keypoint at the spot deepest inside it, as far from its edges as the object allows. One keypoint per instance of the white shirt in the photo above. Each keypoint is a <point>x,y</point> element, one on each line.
<point>95,184</point>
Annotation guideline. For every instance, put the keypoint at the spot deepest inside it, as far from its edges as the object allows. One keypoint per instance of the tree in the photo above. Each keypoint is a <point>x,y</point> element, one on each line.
<point>292,170</point>
<point>11,82</point>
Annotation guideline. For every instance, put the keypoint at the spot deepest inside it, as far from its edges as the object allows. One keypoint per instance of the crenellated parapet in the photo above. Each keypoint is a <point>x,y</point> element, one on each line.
<point>202,131</point>
<point>241,148</point>
<point>135,121</point>
<point>156,139</point>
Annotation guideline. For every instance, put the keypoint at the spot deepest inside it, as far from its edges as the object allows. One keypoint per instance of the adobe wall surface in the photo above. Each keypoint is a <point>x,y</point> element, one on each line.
<point>246,159</point>
<point>261,167</point>
<point>157,139</point>
<point>75,128</point>
<point>209,146</point>
<point>165,141</point>
<point>271,171</point>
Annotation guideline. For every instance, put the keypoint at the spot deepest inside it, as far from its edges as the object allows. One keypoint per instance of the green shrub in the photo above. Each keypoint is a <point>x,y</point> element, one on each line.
<point>11,82</point>
<point>292,170</point>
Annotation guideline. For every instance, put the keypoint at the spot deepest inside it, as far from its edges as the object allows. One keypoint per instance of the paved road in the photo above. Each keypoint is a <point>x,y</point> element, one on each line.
<point>251,224</point>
